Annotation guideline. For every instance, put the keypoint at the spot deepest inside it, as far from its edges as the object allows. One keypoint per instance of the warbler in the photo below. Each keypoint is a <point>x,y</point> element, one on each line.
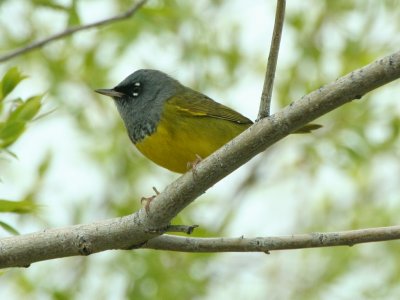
<point>171,124</point>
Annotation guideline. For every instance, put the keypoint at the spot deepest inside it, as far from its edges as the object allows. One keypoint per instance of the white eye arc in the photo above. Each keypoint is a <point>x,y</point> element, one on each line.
<point>136,89</point>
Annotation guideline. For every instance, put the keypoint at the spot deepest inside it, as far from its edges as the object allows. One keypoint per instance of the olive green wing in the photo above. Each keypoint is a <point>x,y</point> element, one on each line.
<point>198,105</point>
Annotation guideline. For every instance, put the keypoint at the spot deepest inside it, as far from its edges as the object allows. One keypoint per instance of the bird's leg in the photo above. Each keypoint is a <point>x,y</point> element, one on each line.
<point>149,199</point>
<point>191,165</point>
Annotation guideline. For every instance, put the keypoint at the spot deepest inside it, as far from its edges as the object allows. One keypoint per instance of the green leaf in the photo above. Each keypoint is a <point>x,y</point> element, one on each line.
<point>10,132</point>
<point>44,165</point>
<point>9,228</point>
<point>15,125</point>
<point>10,81</point>
<point>19,207</point>
<point>27,110</point>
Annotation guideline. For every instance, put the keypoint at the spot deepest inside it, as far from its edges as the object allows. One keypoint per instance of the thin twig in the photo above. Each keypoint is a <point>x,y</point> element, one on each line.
<point>266,95</point>
<point>70,31</point>
<point>188,229</point>
<point>266,244</point>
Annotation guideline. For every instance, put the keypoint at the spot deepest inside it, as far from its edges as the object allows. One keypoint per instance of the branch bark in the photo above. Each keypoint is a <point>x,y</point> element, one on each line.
<point>267,244</point>
<point>266,95</point>
<point>134,230</point>
<point>70,31</point>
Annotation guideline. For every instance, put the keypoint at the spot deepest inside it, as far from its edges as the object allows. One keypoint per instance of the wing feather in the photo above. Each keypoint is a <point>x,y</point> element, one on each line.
<point>198,105</point>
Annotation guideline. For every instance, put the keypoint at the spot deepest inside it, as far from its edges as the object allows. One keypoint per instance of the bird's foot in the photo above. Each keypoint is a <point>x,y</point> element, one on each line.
<point>193,164</point>
<point>148,200</point>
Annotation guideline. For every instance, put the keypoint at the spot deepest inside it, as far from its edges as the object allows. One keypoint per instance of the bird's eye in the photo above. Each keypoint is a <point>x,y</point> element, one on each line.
<point>137,88</point>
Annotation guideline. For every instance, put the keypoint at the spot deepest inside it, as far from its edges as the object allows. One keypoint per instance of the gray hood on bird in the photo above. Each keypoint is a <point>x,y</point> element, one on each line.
<point>141,104</point>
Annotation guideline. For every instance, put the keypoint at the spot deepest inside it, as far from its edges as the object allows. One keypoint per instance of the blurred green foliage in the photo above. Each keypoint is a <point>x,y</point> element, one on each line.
<point>15,114</point>
<point>342,177</point>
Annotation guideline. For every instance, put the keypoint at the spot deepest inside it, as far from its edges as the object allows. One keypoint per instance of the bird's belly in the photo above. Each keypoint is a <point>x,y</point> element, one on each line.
<point>174,153</point>
<point>175,147</point>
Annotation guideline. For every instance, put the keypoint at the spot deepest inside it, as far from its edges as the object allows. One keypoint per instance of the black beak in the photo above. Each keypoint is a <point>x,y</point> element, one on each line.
<point>110,93</point>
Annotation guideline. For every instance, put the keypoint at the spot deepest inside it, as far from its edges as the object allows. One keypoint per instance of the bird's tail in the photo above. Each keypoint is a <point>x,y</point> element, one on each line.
<point>308,128</point>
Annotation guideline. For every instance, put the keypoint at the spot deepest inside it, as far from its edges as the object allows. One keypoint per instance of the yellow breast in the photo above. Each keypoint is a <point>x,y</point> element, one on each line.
<point>180,137</point>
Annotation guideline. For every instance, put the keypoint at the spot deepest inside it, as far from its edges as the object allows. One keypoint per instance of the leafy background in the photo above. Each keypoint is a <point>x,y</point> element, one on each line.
<point>71,162</point>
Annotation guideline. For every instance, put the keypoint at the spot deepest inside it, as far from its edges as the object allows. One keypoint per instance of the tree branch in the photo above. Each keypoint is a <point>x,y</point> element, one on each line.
<point>266,244</point>
<point>70,31</point>
<point>134,230</point>
<point>265,104</point>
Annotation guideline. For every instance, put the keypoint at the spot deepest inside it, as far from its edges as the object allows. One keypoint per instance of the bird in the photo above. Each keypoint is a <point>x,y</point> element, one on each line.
<point>171,124</point>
